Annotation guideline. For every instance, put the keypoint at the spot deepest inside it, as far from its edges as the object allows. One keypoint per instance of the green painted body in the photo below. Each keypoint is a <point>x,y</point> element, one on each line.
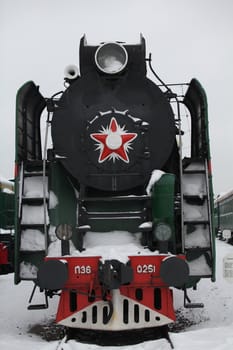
<point>224,213</point>
<point>163,204</point>
<point>65,211</point>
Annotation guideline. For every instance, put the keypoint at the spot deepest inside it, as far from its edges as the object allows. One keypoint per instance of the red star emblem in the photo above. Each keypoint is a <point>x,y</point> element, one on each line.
<point>114,142</point>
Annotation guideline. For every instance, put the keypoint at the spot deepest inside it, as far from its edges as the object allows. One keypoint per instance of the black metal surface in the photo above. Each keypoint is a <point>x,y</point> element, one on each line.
<point>113,274</point>
<point>29,106</point>
<point>78,116</point>
<point>136,57</point>
<point>52,275</point>
<point>195,101</point>
<point>174,271</point>
<point>118,338</point>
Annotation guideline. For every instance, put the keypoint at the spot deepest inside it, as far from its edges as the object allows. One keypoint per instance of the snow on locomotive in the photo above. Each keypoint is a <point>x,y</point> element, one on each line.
<point>112,215</point>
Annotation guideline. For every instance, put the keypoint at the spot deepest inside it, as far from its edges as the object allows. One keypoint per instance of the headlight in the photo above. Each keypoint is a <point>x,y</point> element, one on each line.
<point>162,232</point>
<point>64,232</point>
<point>111,58</point>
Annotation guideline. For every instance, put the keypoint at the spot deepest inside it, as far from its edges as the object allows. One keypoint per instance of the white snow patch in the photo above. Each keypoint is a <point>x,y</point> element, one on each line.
<point>53,200</point>
<point>199,267</point>
<point>33,187</point>
<point>111,64</point>
<point>213,331</point>
<point>54,248</point>
<point>195,212</point>
<point>112,245</point>
<point>6,185</point>
<point>155,177</point>
<point>52,234</point>
<point>109,245</point>
<point>33,215</point>
<point>7,190</point>
<point>27,270</point>
<point>194,185</point>
<point>32,240</point>
<point>195,166</point>
<point>198,238</point>
<point>147,224</point>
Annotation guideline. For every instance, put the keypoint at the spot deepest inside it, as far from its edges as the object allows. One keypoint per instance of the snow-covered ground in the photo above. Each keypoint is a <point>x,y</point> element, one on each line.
<point>212,327</point>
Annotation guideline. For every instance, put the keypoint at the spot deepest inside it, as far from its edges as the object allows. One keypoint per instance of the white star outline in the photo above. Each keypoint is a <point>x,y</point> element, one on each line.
<point>111,132</point>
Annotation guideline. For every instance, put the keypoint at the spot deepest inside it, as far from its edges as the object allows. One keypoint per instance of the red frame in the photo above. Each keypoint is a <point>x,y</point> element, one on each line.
<point>84,283</point>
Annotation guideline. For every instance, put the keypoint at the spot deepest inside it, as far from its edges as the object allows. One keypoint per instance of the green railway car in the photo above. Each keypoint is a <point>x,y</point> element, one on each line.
<point>224,217</point>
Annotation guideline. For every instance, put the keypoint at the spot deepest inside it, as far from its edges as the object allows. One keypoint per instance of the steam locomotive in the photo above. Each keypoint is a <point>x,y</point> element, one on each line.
<point>111,216</point>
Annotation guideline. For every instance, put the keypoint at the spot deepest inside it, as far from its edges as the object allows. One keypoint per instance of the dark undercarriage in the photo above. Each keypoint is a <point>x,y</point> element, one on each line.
<point>118,338</point>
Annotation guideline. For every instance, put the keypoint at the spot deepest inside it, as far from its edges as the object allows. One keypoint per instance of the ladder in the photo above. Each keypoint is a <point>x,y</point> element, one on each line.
<point>197,220</point>
<point>33,220</point>
<point>103,213</point>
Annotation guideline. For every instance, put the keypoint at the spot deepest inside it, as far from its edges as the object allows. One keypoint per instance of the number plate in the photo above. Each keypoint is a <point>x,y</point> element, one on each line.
<point>145,268</point>
<point>82,269</point>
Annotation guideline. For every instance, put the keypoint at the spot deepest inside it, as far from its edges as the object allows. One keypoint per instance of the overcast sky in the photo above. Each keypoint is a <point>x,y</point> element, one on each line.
<point>187,38</point>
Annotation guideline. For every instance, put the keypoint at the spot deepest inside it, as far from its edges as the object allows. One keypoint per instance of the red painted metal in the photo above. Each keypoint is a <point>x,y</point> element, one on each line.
<point>83,279</point>
<point>209,167</point>
<point>3,254</point>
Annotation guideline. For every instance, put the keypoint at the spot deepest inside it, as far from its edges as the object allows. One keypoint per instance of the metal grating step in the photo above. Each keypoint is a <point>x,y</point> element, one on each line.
<point>186,171</point>
<point>34,200</point>
<point>196,222</point>
<point>39,227</point>
<point>116,198</point>
<point>30,252</point>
